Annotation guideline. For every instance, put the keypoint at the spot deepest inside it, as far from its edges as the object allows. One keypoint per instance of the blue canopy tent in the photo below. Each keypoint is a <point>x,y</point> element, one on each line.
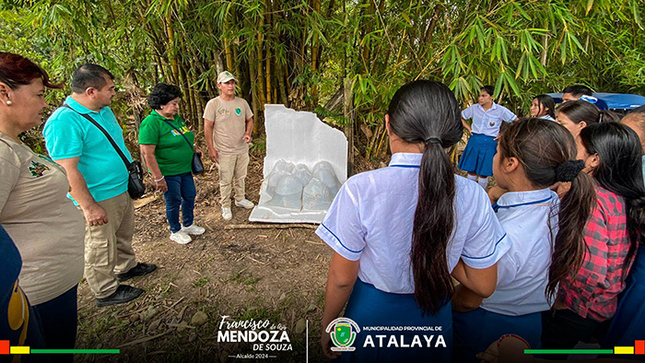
<point>614,101</point>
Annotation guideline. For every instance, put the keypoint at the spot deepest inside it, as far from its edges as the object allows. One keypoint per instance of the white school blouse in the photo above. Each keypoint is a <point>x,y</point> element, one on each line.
<point>487,122</point>
<point>371,220</point>
<point>530,220</point>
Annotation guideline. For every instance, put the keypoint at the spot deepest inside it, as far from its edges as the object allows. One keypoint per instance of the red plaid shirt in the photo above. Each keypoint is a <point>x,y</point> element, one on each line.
<point>593,292</point>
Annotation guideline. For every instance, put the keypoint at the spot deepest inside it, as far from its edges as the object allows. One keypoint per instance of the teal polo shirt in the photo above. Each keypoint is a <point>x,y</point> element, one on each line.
<point>69,135</point>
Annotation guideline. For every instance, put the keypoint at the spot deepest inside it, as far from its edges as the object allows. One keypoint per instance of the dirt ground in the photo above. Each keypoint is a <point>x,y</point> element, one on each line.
<point>274,274</point>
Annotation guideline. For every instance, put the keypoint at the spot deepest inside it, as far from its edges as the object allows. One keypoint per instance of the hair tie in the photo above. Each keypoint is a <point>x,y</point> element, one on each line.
<point>433,140</point>
<point>568,170</point>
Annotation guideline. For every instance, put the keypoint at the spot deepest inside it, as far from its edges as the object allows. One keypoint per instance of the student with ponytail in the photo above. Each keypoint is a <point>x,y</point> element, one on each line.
<point>400,234</point>
<point>532,155</point>
<point>590,266</point>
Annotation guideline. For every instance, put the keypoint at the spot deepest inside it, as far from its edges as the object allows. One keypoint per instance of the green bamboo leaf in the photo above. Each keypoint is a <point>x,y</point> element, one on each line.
<point>510,81</point>
<point>589,6</point>
<point>636,12</point>
<point>499,84</point>
<point>519,9</point>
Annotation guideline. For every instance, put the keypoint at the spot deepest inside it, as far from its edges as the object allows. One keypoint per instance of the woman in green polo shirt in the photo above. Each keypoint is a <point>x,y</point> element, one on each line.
<point>167,147</point>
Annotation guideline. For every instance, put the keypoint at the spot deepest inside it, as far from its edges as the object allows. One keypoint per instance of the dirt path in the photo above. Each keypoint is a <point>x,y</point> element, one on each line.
<point>274,274</point>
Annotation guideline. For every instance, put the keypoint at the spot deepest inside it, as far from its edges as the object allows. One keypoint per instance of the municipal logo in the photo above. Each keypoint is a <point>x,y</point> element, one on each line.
<point>343,334</point>
<point>238,111</point>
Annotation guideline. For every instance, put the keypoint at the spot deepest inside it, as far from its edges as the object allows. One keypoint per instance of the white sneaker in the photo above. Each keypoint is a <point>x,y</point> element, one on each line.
<point>193,229</point>
<point>245,203</point>
<point>180,237</point>
<point>227,214</point>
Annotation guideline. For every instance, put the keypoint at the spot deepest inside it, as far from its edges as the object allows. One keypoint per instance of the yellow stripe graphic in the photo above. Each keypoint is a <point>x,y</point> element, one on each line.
<point>623,350</point>
<point>19,350</point>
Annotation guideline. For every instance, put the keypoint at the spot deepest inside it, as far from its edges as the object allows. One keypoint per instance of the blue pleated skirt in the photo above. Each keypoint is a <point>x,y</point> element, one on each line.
<point>477,329</point>
<point>478,155</point>
<point>370,307</point>
<point>628,324</point>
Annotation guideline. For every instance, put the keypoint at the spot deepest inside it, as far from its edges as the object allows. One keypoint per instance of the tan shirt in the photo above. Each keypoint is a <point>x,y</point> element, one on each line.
<point>43,223</point>
<point>229,119</point>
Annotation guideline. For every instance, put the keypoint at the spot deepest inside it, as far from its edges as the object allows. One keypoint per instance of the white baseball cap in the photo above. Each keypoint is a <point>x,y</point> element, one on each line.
<point>225,77</point>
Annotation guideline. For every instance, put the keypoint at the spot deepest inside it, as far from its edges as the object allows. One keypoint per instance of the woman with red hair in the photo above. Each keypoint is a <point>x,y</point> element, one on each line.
<point>34,209</point>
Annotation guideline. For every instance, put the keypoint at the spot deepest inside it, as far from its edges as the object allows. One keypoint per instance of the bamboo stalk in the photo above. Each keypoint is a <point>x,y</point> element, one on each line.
<point>172,54</point>
<point>261,90</point>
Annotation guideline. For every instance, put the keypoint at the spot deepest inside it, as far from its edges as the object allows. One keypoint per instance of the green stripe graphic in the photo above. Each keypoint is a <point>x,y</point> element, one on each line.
<point>75,351</point>
<point>568,351</point>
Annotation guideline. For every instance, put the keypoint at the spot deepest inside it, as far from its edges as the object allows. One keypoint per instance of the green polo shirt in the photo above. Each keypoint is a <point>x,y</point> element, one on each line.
<point>174,155</point>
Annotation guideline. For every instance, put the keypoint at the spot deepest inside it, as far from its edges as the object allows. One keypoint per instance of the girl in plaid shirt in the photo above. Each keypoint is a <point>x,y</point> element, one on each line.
<point>589,268</point>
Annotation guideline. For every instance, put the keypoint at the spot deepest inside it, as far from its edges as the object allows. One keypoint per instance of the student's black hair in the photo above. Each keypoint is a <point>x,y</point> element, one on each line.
<point>547,103</point>
<point>544,149</point>
<point>427,112</point>
<point>161,94</point>
<point>489,89</point>
<point>90,75</point>
<point>620,170</point>
<point>578,111</point>
<point>578,90</point>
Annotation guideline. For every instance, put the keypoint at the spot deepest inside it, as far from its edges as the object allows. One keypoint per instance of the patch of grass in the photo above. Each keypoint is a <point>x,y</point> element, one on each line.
<point>95,330</point>
<point>249,281</point>
<point>259,146</point>
<point>259,313</point>
<point>201,282</point>
<point>164,289</point>
<point>320,299</point>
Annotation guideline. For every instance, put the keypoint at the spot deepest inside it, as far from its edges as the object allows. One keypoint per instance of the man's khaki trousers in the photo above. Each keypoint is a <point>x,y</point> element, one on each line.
<point>232,169</point>
<point>108,248</point>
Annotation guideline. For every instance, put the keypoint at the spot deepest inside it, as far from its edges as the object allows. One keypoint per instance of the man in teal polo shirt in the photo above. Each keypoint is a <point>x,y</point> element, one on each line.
<point>99,181</point>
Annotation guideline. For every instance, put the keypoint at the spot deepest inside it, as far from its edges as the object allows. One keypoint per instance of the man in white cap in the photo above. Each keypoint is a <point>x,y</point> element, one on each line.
<point>228,123</point>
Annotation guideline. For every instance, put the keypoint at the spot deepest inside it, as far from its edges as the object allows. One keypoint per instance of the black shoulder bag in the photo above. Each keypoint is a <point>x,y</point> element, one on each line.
<point>196,165</point>
<point>136,189</point>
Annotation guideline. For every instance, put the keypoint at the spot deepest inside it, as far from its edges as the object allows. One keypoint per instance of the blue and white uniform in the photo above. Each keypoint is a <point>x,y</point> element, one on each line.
<point>547,117</point>
<point>482,146</point>
<point>371,220</point>
<point>530,220</point>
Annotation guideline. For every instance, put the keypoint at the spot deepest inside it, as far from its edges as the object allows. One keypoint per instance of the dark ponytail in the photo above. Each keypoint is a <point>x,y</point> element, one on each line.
<point>569,250</point>
<point>427,112</point>
<point>547,152</point>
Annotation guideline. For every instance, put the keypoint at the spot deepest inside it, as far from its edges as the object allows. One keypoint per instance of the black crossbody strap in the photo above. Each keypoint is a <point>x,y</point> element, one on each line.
<point>116,147</point>
<point>180,133</point>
